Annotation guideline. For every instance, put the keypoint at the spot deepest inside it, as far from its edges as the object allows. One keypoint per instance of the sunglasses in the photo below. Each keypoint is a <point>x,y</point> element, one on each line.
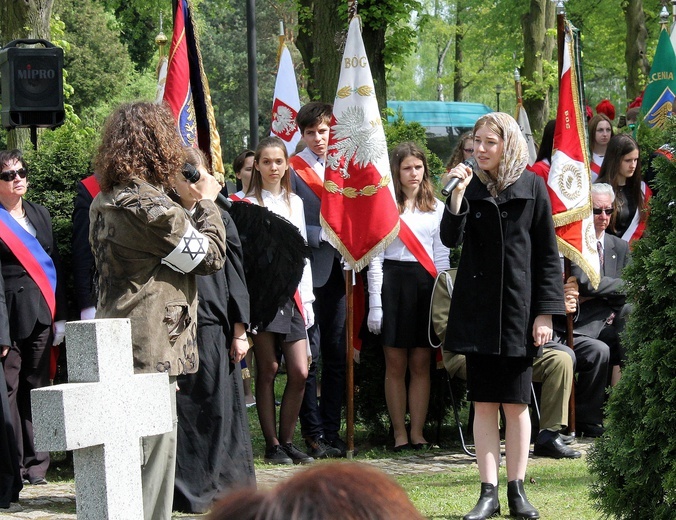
<point>468,150</point>
<point>598,211</point>
<point>10,175</point>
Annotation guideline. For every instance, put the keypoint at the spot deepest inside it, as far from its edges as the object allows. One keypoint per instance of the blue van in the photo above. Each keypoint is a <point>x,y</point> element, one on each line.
<point>444,121</point>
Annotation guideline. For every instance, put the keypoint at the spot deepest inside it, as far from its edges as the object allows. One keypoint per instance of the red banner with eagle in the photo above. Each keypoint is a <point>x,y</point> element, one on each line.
<point>358,212</point>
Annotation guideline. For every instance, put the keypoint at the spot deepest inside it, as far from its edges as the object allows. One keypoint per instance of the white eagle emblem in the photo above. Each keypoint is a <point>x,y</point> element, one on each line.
<point>283,121</point>
<point>356,139</point>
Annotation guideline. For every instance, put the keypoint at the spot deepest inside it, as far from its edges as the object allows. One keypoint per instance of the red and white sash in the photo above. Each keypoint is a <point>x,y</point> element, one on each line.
<point>413,244</point>
<point>637,226</point>
<point>308,174</point>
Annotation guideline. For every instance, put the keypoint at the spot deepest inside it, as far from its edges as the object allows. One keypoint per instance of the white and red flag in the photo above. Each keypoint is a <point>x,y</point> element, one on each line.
<point>569,181</point>
<point>286,103</point>
<point>524,124</point>
<point>358,212</point>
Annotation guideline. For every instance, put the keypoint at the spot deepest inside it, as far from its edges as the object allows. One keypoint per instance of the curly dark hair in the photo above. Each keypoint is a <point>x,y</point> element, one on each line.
<point>139,141</point>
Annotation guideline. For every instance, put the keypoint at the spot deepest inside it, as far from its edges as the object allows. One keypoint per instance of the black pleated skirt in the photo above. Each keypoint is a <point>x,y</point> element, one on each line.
<point>406,294</point>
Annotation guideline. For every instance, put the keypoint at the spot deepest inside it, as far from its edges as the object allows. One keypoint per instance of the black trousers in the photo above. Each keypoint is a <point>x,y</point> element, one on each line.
<point>327,343</point>
<point>590,359</point>
<point>27,367</point>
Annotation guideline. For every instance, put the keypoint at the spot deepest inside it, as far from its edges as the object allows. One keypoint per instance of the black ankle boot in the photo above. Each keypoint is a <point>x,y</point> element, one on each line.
<point>488,504</point>
<point>519,506</point>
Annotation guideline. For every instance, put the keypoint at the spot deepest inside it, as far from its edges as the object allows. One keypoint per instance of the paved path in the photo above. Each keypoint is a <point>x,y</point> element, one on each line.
<point>57,501</point>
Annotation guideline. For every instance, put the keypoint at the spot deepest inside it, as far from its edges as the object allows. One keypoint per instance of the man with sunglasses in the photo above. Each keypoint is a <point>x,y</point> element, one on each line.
<point>34,301</point>
<point>603,311</point>
<point>601,317</point>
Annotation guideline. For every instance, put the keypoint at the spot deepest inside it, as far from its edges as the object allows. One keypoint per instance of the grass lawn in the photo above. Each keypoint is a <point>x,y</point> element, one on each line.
<point>559,491</point>
<point>558,488</point>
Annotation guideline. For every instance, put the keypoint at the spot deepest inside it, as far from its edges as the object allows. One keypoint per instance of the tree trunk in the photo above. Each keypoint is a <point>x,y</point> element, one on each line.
<point>20,19</point>
<point>537,48</point>
<point>458,86</point>
<point>374,41</point>
<point>321,39</point>
<point>635,51</point>
<point>440,69</point>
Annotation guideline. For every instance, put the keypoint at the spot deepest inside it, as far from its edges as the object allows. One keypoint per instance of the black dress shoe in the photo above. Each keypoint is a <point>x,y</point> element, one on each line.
<point>554,447</point>
<point>590,430</point>
<point>341,446</point>
<point>488,504</point>
<point>567,439</point>
<point>519,506</point>
<point>401,447</point>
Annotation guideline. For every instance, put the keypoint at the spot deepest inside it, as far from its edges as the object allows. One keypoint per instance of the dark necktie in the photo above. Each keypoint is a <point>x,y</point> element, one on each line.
<point>599,248</point>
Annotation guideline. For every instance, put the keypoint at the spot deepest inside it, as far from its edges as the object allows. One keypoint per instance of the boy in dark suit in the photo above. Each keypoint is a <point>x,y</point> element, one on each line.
<point>320,422</point>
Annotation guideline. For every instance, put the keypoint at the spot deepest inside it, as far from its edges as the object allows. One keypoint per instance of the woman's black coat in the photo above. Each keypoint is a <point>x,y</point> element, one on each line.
<point>509,270</point>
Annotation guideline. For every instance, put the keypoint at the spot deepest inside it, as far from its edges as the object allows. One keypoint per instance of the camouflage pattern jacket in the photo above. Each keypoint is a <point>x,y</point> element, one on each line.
<point>148,250</point>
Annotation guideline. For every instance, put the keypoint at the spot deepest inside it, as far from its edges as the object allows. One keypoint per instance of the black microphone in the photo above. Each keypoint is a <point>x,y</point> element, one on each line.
<point>192,175</point>
<point>453,183</point>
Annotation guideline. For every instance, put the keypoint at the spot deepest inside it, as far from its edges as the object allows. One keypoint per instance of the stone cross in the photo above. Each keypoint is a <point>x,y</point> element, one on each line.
<point>101,414</point>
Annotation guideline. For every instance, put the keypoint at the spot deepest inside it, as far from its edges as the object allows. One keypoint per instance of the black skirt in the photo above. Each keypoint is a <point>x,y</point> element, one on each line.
<point>288,323</point>
<point>406,294</point>
<point>499,379</point>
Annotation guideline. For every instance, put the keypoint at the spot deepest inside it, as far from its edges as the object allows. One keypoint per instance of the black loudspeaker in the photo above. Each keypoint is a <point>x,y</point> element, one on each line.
<point>32,85</point>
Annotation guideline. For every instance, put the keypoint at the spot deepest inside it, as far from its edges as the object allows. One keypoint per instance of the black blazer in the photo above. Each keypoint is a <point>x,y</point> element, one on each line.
<point>24,302</point>
<point>323,253</point>
<point>610,295</point>
<point>83,259</point>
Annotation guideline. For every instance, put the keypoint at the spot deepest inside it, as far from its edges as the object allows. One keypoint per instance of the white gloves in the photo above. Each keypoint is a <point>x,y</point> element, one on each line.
<point>323,237</point>
<point>88,314</point>
<point>375,320</point>
<point>59,332</point>
<point>309,313</point>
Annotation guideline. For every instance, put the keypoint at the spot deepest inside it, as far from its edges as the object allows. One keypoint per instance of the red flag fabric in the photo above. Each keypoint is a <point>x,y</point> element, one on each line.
<point>569,179</point>
<point>186,90</point>
<point>286,103</point>
<point>358,211</point>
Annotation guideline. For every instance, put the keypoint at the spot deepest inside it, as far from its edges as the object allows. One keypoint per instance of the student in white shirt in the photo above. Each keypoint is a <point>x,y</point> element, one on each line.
<point>400,284</point>
<point>286,334</point>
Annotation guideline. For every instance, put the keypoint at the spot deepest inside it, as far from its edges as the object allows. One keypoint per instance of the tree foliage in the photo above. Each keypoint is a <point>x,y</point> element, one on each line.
<point>633,463</point>
<point>61,160</point>
<point>98,64</point>
<point>139,20</point>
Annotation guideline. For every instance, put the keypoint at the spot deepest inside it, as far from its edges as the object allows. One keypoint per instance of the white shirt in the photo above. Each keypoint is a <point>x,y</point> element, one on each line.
<point>425,226</point>
<point>293,212</point>
<point>313,160</point>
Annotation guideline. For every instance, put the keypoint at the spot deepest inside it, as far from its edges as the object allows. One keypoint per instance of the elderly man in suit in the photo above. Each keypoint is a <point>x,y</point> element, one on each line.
<point>601,318</point>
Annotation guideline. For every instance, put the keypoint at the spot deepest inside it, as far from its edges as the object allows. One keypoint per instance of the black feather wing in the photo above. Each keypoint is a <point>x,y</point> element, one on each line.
<point>274,257</point>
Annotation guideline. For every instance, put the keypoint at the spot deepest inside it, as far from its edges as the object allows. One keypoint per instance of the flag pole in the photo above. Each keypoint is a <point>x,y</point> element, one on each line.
<point>282,39</point>
<point>517,87</point>
<point>252,72</point>
<point>349,325</point>
<point>560,38</point>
